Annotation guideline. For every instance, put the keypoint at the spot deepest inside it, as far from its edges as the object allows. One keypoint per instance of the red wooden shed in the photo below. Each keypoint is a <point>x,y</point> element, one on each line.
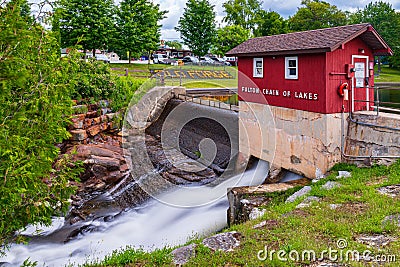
<point>305,70</point>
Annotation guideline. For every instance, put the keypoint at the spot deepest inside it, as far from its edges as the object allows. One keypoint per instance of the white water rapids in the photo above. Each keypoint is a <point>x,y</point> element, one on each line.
<point>154,225</point>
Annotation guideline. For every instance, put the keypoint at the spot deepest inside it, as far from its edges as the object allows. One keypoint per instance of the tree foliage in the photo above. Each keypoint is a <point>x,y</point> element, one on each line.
<point>229,37</point>
<point>197,26</point>
<point>87,22</point>
<point>176,44</point>
<point>271,23</point>
<point>35,108</point>
<point>316,14</point>
<point>244,13</point>
<point>386,21</point>
<point>138,26</point>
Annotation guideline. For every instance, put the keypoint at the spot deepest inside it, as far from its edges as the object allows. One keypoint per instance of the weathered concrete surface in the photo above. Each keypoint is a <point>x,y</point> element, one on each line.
<point>243,200</point>
<point>368,141</point>
<point>304,142</point>
<point>150,107</point>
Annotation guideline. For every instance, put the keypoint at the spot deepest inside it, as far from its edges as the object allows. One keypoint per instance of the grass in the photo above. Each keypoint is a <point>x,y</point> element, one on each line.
<point>186,82</point>
<point>318,228</point>
<point>387,74</point>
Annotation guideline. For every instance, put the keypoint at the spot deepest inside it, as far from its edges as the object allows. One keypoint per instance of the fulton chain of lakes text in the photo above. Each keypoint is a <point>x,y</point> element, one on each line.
<point>284,93</point>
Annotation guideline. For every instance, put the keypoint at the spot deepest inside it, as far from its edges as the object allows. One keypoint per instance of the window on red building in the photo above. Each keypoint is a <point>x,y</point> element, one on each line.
<point>258,69</point>
<point>291,68</point>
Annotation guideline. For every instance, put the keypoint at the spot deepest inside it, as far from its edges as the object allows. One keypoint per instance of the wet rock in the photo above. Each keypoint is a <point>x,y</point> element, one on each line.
<point>392,219</point>
<point>344,174</point>
<point>99,171</point>
<point>331,185</point>
<point>300,193</point>
<point>275,174</point>
<point>182,255</point>
<point>391,190</point>
<point>110,164</point>
<point>308,202</point>
<point>378,241</point>
<point>224,241</point>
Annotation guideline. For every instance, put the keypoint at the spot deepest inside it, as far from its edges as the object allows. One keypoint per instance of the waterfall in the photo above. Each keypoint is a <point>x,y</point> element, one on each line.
<point>172,219</point>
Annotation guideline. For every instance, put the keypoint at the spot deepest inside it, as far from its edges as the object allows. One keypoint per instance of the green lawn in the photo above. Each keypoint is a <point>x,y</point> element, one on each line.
<point>387,74</point>
<point>186,82</point>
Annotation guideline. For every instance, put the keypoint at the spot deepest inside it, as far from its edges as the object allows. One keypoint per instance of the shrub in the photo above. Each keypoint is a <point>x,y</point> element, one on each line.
<point>35,107</point>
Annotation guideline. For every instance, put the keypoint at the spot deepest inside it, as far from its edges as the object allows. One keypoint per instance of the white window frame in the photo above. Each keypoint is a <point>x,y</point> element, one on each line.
<point>288,76</point>
<point>255,73</point>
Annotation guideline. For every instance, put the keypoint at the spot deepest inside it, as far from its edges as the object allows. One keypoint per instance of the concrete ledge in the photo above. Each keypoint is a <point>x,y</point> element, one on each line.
<point>242,200</point>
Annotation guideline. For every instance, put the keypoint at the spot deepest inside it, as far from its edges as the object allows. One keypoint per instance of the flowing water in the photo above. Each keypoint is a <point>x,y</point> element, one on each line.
<point>172,219</point>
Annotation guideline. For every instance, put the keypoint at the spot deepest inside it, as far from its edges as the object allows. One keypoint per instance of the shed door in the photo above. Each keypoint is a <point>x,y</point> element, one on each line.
<point>360,84</point>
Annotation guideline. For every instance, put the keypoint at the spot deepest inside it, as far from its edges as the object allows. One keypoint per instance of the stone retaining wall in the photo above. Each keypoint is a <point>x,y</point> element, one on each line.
<point>372,141</point>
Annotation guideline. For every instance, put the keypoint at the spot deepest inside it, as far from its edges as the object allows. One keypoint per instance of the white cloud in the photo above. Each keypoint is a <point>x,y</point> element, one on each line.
<point>285,8</point>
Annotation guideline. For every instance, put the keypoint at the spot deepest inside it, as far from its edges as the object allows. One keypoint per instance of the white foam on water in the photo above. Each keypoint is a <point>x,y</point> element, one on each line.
<point>155,225</point>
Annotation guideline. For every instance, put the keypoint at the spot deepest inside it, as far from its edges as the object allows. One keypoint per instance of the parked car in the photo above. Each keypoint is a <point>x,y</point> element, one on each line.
<point>102,57</point>
<point>219,60</point>
<point>159,58</point>
<point>206,60</point>
<point>190,59</point>
<point>231,60</point>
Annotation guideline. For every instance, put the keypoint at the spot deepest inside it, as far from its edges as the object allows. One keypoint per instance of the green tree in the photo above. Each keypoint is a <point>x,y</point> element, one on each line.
<point>35,109</point>
<point>271,23</point>
<point>229,37</point>
<point>386,21</point>
<point>87,22</point>
<point>175,44</point>
<point>197,26</point>
<point>138,26</point>
<point>243,12</point>
<point>316,14</point>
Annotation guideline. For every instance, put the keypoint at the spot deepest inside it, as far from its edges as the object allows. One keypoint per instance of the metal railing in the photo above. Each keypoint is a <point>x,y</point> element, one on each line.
<point>386,98</point>
<point>209,100</point>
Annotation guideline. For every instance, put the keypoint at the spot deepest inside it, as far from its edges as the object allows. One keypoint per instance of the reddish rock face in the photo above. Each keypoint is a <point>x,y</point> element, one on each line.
<point>94,130</point>
<point>78,135</point>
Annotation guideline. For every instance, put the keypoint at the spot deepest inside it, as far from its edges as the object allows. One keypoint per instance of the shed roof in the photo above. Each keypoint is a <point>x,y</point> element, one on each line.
<point>314,41</point>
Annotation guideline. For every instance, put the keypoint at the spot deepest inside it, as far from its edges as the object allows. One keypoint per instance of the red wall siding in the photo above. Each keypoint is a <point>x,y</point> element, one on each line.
<point>311,80</point>
<point>315,76</point>
<point>336,63</point>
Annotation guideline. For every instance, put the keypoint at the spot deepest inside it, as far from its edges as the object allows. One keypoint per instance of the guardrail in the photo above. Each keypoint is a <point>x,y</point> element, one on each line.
<point>386,99</point>
<point>208,100</point>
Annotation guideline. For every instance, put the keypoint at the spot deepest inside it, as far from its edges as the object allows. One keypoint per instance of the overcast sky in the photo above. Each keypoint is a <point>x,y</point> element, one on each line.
<point>284,7</point>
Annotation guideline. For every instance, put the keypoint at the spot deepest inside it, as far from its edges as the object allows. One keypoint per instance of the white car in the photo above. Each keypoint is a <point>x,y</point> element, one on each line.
<point>190,59</point>
<point>102,57</point>
<point>206,60</point>
<point>159,58</point>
